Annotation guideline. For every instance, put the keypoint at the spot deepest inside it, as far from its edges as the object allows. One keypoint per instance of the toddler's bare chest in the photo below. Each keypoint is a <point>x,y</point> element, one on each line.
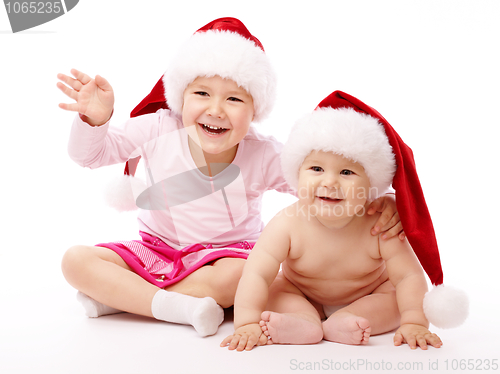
<point>330,257</point>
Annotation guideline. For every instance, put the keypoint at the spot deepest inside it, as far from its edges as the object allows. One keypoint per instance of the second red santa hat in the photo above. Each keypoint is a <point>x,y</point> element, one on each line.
<point>345,125</point>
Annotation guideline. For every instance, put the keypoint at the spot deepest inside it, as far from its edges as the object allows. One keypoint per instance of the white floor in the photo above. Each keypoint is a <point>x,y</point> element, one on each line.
<point>44,330</point>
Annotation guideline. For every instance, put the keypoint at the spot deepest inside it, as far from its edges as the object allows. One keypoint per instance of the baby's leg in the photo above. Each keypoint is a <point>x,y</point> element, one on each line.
<point>373,314</point>
<point>293,319</point>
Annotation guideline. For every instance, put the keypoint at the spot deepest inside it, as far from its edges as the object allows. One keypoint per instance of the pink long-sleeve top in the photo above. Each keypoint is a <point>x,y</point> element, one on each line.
<point>181,205</point>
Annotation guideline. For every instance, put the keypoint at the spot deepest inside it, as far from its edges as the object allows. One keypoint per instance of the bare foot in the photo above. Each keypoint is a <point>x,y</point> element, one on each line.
<point>347,328</point>
<point>289,329</point>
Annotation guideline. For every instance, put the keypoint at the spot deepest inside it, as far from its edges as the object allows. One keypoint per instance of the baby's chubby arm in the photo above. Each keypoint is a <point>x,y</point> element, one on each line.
<point>260,270</point>
<point>408,278</point>
<point>94,97</point>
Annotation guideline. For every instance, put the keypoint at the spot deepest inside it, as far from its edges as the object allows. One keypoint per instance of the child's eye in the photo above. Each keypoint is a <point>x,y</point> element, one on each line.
<point>201,93</point>
<point>346,172</point>
<point>317,168</point>
<point>235,99</point>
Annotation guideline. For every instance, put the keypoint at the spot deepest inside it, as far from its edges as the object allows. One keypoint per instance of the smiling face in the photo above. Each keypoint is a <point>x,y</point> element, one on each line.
<point>333,188</point>
<point>221,113</point>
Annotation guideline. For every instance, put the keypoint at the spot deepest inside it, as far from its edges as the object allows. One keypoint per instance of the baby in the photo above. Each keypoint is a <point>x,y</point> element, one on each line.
<point>340,159</point>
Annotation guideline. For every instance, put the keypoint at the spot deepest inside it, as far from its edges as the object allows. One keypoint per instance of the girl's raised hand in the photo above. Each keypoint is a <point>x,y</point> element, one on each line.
<point>94,97</point>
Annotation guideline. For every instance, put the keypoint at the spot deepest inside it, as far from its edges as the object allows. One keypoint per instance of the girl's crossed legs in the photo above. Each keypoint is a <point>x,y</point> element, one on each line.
<point>105,277</point>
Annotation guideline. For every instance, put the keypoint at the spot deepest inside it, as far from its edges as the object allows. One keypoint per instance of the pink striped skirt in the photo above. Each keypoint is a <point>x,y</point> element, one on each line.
<point>162,265</point>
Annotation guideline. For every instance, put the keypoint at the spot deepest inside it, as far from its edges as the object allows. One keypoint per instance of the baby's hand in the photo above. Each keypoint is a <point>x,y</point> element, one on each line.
<point>94,97</point>
<point>245,338</point>
<point>415,335</point>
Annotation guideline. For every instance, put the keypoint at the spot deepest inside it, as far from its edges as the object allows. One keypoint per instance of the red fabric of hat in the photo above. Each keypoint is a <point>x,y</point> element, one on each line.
<point>232,25</point>
<point>410,200</point>
<point>156,98</point>
<point>154,101</point>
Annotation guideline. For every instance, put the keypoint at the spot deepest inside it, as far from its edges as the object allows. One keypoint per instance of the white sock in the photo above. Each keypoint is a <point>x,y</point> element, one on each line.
<point>204,314</point>
<point>94,308</point>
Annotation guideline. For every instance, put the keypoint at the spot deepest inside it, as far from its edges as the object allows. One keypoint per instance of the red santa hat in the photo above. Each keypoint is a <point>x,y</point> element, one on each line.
<point>344,125</point>
<point>223,47</point>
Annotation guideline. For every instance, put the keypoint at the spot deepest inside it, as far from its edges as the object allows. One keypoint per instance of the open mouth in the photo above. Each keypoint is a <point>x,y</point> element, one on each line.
<point>329,199</point>
<point>213,130</point>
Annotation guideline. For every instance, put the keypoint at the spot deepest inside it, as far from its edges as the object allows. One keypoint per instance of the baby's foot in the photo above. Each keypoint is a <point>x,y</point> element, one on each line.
<point>289,329</point>
<point>347,328</point>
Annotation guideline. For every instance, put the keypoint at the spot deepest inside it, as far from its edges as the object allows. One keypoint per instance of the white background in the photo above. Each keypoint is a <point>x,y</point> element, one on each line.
<point>430,67</point>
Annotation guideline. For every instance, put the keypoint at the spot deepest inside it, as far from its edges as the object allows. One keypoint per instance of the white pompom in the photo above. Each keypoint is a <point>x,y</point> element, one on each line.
<point>119,193</point>
<point>446,307</point>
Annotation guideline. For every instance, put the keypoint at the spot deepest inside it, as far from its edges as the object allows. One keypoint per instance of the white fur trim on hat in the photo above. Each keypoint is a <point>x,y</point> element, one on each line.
<point>356,136</point>
<point>121,192</point>
<point>228,55</point>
